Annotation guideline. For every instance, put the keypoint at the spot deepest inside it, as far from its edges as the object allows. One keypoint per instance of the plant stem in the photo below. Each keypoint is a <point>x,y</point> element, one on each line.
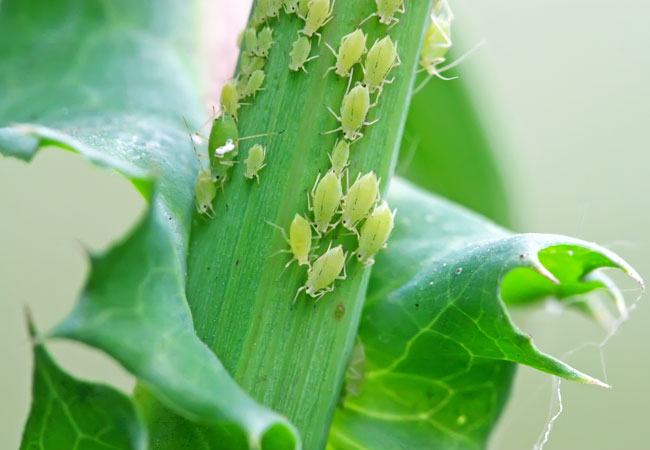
<point>292,358</point>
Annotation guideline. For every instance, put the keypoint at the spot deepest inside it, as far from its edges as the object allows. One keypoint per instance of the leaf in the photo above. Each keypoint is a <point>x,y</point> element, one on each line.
<point>438,339</point>
<point>447,149</point>
<point>113,88</point>
<point>70,413</point>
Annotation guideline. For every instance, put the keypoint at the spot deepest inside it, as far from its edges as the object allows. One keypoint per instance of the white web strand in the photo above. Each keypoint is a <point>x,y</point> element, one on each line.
<point>543,439</point>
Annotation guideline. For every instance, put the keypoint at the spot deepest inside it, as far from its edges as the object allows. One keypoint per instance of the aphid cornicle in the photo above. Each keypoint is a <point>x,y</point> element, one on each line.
<point>325,199</point>
<point>291,6</point>
<point>318,14</point>
<point>352,46</point>
<point>381,59</point>
<point>230,98</point>
<point>323,273</point>
<point>300,54</point>
<point>374,233</point>
<point>339,157</point>
<point>386,11</point>
<point>255,162</point>
<point>354,110</point>
<point>359,200</point>
<point>299,240</point>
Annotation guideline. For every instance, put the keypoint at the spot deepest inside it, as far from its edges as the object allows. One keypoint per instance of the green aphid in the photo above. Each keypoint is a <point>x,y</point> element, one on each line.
<point>300,54</point>
<point>352,46</point>
<point>354,110</point>
<point>381,59</point>
<point>386,11</point>
<point>323,273</point>
<point>357,202</point>
<point>324,202</point>
<point>375,233</point>
<point>249,64</point>
<point>291,6</point>
<point>250,39</point>
<point>264,42</point>
<point>255,162</point>
<point>318,14</point>
<point>339,157</point>
<point>205,192</point>
<point>273,7</point>
<point>230,98</point>
<point>223,140</point>
<point>260,14</point>
<point>299,240</point>
<point>303,8</point>
<point>253,84</point>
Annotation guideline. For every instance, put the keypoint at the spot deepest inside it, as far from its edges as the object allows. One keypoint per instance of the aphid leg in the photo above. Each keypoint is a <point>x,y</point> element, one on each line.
<point>371,123</point>
<point>284,234</point>
<point>334,114</point>
<point>331,50</point>
<point>393,21</point>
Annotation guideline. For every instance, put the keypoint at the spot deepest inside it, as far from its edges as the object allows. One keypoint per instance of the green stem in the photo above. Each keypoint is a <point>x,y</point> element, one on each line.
<point>292,358</point>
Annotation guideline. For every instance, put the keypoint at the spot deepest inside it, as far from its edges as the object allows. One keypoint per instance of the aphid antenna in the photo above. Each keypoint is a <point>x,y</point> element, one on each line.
<point>463,57</point>
<point>255,136</point>
<point>301,288</point>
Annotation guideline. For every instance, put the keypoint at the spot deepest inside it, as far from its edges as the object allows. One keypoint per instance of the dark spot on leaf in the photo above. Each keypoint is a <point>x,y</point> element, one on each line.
<point>522,256</point>
<point>339,312</point>
<point>237,262</point>
<point>417,305</point>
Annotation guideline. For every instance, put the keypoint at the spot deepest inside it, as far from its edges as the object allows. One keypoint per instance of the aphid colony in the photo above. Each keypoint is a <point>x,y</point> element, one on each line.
<point>359,210</point>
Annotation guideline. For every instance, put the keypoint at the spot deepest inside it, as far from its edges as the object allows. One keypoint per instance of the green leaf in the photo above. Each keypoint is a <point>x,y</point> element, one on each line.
<point>438,339</point>
<point>447,149</point>
<point>70,413</point>
<point>108,80</point>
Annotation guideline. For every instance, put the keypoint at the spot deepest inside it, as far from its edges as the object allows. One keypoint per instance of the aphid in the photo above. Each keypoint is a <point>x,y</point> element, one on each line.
<point>255,162</point>
<point>273,7</point>
<point>352,46</point>
<point>250,64</point>
<point>299,240</point>
<point>326,197</point>
<point>300,54</point>
<point>437,41</point>
<point>264,42</point>
<point>386,10</point>
<point>374,233</point>
<point>250,39</point>
<point>354,110</point>
<point>224,134</point>
<point>318,14</point>
<point>205,191</point>
<point>339,157</point>
<point>261,13</point>
<point>322,274</point>
<point>230,98</point>
<point>381,58</point>
<point>359,200</point>
<point>291,6</point>
<point>253,84</point>
<point>303,8</point>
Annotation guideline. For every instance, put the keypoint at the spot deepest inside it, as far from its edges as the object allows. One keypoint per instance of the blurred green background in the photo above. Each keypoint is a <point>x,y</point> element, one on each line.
<point>562,88</point>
